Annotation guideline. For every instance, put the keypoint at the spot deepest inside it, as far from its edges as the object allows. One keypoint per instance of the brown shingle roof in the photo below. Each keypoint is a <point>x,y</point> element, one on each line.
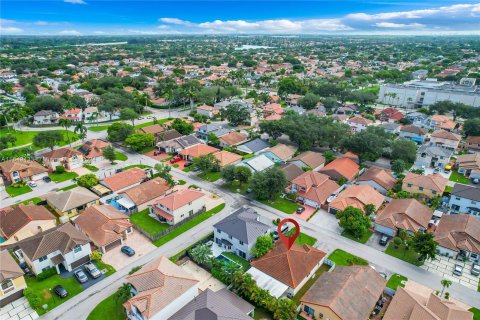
<point>227,157</point>
<point>311,158</point>
<point>233,138</point>
<point>357,196</point>
<point>9,269</point>
<point>291,171</point>
<point>147,191</point>
<point>26,168</point>
<point>12,219</point>
<point>63,238</point>
<point>350,292</point>
<point>380,176</point>
<point>153,129</point>
<point>459,232</point>
<point>406,214</point>
<point>414,129</point>
<point>61,153</point>
<point>292,266</point>
<point>431,182</point>
<point>70,199</point>
<point>283,151</point>
<point>343,166</point>
<point>442,134</point>
<point>124,179</point>
<point>103,224</point>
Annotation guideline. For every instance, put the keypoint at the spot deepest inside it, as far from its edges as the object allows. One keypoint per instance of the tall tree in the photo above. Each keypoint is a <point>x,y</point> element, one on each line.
<point>47,139</point>
<point>81,130</point>
<point>163,171</point>
<point>237,114</point>
<point>445,285</point>
<point>425,245</point>
<point>129,114</point>
<point>66,123</point>
<point>268,184</point>
<point>354,221</point>
<point>109,153</point>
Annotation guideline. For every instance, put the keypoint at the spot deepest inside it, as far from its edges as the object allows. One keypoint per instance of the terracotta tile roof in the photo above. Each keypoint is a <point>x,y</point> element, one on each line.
<point>283,151</point>
<point>405,214</point>
<point>381,176</point>
<point>124,179</point>
<point>63,238</point>
<point>234,138</point>
<point>70,199</point>
<point>360,120</point>
<point>318,187</point>
<point>431,182</point>
<point>468,161</point>
<point>61,153</point>
<point>153,129</point>
<point>103,224</point>
<point>357,196</point>
<point>94,148</point>
<point>227,157</point>
<point>292,266</point>
<point>9,269</point>
<point>273,117</point>
<point>414,129</point>
<point>147,191</point>
<point>473,139</point>
<point>179,199</point>
<point>26,168</point>
<point>311,158</point>
<point>442,134</point>
<point>198,150</point>
<point>343,166</point>
<point>350,292</point>
<point>13,219</point>
<point>159,283</point>
<point>459,232</point>
<point>273,107</point>
<point>206,107</point>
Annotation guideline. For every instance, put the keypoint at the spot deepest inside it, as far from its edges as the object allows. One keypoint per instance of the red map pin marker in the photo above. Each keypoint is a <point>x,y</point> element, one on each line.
<point>288,241</point>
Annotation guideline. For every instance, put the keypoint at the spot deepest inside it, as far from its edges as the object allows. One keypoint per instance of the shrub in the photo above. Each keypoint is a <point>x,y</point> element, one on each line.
<point>60,169</point>
<point>32,298</point>
<point>397,241</point>
<point>46,274</point>
<point>134,269</point>
<point>96,255</point>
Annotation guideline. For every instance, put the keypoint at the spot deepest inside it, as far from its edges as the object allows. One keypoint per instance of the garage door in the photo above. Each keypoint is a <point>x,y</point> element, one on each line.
<point>113,244</point>
<point>80,262</point>
<point>11,298</point>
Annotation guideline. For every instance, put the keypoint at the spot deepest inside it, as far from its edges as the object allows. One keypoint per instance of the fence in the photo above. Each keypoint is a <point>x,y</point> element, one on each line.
<point>169,229</point>
<point>329,263</point>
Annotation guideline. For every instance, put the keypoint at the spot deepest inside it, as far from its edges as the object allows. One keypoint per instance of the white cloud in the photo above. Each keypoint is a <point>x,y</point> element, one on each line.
<point>10,30</point>
<point>398,25</point>
<point>75,1</point>
<point>176,21</point>
<point>6,21</point>
<point>70,33</point>
<point>99,32</point>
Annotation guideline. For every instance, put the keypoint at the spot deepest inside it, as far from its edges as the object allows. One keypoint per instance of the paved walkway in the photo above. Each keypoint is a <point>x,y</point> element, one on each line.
<point>18,310</point>
<point>444,266</point>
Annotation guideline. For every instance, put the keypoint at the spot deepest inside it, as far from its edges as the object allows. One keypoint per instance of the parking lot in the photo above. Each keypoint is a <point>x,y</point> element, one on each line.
<point>137,242</point>
<point>443,266</point>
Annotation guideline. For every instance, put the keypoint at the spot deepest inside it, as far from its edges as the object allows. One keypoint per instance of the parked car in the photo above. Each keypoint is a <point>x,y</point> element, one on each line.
<point>383,240</point>
<point>32,184</point>
<point>300,210</point>
<point>458,270</point>
<point>92,270</point>
<point>436,170</point>
<point>475,270</point>
<point>175,159</point>
<point>60,291</point>
<point>275,233</point>
<point>187,164</point>
<point>149,117</point>
<point>475,181</point>
<point>47,179</point>
<point>80,275</point>
<point>140,118</point>
<point>118,170</point>
<point>128,251</point>
<point>157,152</point>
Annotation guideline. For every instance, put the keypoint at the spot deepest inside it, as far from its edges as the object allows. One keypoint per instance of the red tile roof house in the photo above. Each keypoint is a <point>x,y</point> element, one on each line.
<point>179,206</point>
<point>379,179</point>
<point>197,151</point>
<point>16,170</point>
<point>391,115</point>
<point>359,123</point>
<point>143,195</point>
<point>232,139</point>
<point>341,167</point>
<point>357,196</point>
<point>314,188</point>
<point>106,227</point>
<point>124,180</point>
<point>67,157</point>
<point>284,272</point>
<point>93,149</point>
<point>74,115</point>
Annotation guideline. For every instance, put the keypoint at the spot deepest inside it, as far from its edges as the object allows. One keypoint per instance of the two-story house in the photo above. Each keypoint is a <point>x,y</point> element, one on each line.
<point>359,123</point>
<point>432,157</point>
<point>437,122</point>
<point>12,282</point>
<point>178,206</point>
<point>93,149</point>
<point>124,180</point>
<point>138,198</point>
<point>417,118</point>
<point>67,157</point>
<point>414,133</point>
<point>75,115</point>
<point>465,199</point>
<point>357,196</point>
<point>207,110</point>
<point>468,165</point>
<point>45,117</point>
<point>445,139</point>
<point>232,139</point>
<point>379,179</point>
<point>19,169</point>
<point>63,248</point>
<point>239,231</point>
<point>313,188</point>
<point>472,144</point>
<point>431,185</point>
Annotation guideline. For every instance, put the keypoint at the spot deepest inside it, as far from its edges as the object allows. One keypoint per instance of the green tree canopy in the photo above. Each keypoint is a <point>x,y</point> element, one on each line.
<point>354,221</point>
<point>47,139</point>
<point>87,180</point>
<point>268,184</point>
<point>119,131</point>
<point>139,141</point>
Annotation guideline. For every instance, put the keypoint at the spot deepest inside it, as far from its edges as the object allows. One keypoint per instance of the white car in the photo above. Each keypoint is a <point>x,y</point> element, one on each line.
<point>32,184</point>
<point>92,270</point>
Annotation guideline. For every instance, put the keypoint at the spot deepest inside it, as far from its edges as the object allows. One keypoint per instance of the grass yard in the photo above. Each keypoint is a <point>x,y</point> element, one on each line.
<point>395,281</point>
<point>60,177</point>
<point>98,128</point>
<point>147,223</point>
<point>476,313</point>
<point>302,238</point>
<point>187,226</point>
<point>244,263</point>
<point>14,191</point>
<point>35,200</point>
<point>282,204</point>
<point>343,258</point>
<point>141,166</point>
<point>109,308</point>
<point>323,268</point>
<point>210,176</point>
<point>42,289</point>
<point>146,124</point>
<point>363,239</point>
<point>409,256</point>
<point>90,167</point>
<point>236,185</point>
<point>23,137</point>
<point>187,169</point>
<point>262,314</point>
<point>102,265</point>
<point>120,156</point>
<point>457,177</point>
<point>68,187</point>
<point>147,150</point>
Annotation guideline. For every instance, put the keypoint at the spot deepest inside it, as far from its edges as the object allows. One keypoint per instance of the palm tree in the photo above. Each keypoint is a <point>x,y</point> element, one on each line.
<point>229,270</point>
<point>81,130</point>
<point>123,293</point>
<point>445,284</point>
<point>66,123</point>
<point>201,254</point>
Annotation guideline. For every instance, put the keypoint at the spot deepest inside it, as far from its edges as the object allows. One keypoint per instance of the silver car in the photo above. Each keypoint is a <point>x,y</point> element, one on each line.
<point>475,270</point>
<point>92,270</point>
<point>458,270</point>
<point>80,275</point>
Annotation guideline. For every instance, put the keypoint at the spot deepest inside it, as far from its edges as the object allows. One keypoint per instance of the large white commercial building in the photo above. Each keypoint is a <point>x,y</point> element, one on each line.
<point>419,93</point>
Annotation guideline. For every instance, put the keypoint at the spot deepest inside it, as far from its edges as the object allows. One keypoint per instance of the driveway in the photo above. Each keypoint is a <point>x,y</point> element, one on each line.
<point>326,220</point>
<point>18,310</point>
<point>305,214</point>
<point>91,281</point>
<point>443,267</point>
<point>137,242</point>
<point>373,242</point>
<point>206,279</point>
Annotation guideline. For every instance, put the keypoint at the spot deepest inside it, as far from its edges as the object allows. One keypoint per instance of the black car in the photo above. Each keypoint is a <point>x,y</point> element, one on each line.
<point>80,275</point>
<point>128,251</point>
<point>187,164</point>
<point>300,210</point>
<point>383,240</point>
<point>47,179</point>
<point>60,291</point>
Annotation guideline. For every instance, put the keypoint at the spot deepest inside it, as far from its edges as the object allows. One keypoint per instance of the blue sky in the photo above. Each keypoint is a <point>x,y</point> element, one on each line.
<point>86,17</point>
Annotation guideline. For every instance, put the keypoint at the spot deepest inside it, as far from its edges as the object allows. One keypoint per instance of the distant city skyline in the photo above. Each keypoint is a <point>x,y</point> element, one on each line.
<point>109,17</point>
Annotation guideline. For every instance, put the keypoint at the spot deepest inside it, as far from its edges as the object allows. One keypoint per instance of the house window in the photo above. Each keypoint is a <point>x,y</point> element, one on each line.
<point>409,185</point>
<point>190,213</point>
<point>241,242</point>
<point>434,192</point>
<point>230,237</point>
<point>457,198</point>
<point>42,258</point>
<point>309,310</point>
<point>474,202</point>
<point>219,231</point>
<point>420,188</point>
<point>77,249</point>
<point>7,286</point>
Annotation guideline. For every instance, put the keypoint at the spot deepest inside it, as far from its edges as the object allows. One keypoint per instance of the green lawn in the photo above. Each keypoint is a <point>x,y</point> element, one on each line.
<point>187,226</point>
<point>210,176</point>
<point>23,137</point>
<point>323,268</point>
<point>282,204</point>
<point>457,177</point>
<point>16,191</point>
<point>109,308</point>
<point>244,263</point>
<point>90,167</point>
<point>42,289</point>
<point>98,128</point>
<point>120,156</point>
<point>147,223</point>
<point>476,313</point>
<point>35,200</point>
<point>262,314</point>
<point>343,258</point>
<point>68,187</point>
<point>363,239</point>
<point>395,281</point>
<point>236,185</point>
<point>409,256</point>
<point>141,166</point>
<point>60,177</point>
<point>302,238</point>
<point>159,121</point>
<point>102,265</point>
<point>187,169</point>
